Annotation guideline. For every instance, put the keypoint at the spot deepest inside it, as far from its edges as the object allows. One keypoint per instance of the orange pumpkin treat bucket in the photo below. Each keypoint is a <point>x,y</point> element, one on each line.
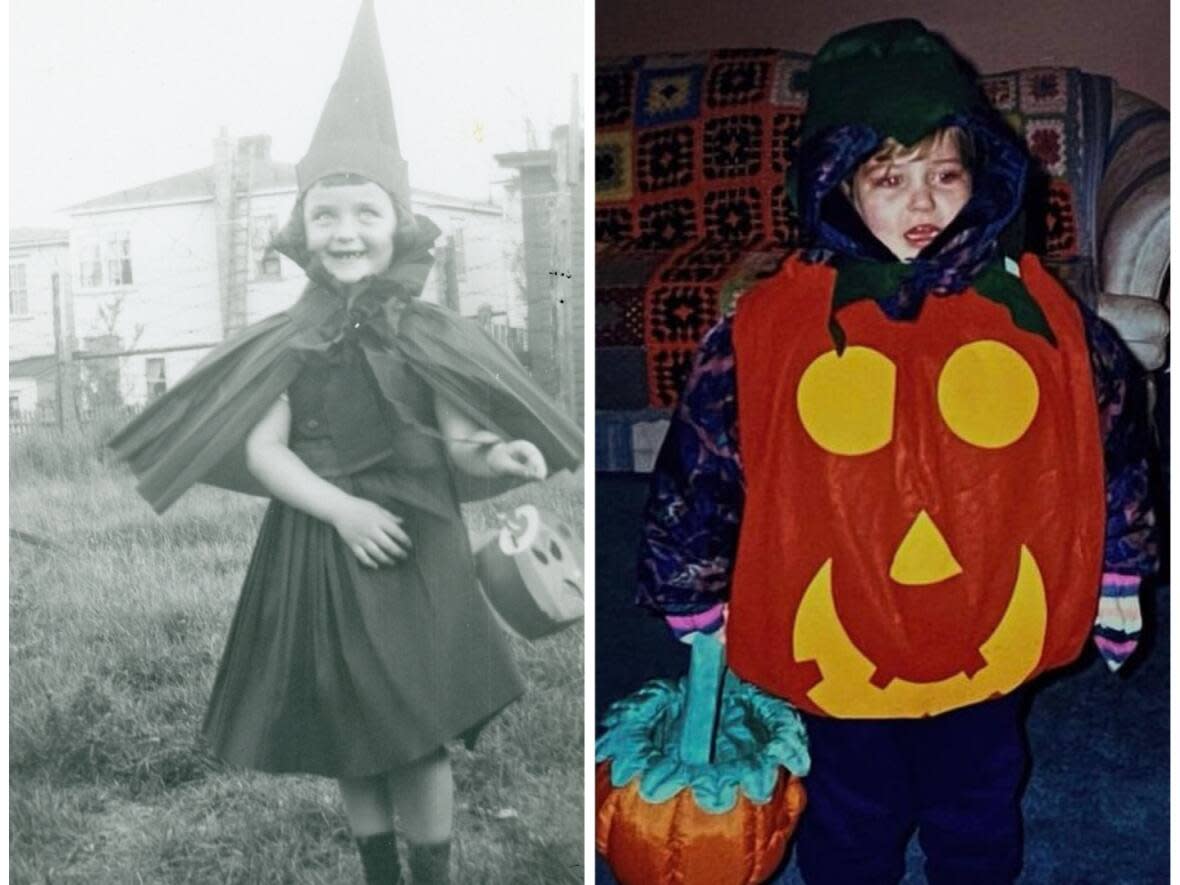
<point>698,780</point>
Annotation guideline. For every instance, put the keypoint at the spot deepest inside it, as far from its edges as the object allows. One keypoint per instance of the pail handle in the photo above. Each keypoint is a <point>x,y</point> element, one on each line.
<point>706,672</point>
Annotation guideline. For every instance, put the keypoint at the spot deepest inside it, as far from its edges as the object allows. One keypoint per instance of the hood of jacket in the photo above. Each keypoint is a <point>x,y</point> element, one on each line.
<point>895,79</point>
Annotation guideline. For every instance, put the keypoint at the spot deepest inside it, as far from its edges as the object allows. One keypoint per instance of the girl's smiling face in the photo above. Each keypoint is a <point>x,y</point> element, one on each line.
<point>907,196</point>
<point>350,227</point>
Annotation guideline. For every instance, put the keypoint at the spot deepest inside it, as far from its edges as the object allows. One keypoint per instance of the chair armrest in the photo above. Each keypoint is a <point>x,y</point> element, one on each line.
<point>1141,322</point>
<point>1133,207</point>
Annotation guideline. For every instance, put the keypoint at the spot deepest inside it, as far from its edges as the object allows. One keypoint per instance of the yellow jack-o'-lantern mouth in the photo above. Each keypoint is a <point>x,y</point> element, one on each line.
<point>845,689</point>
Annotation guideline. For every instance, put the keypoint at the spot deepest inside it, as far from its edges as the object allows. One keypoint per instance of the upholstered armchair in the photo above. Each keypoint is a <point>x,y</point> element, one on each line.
<point>691,208</point>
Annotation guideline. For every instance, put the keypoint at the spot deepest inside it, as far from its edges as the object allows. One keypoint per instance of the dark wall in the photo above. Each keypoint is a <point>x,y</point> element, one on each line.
<point>1126,40</point>
<point>631,644</point>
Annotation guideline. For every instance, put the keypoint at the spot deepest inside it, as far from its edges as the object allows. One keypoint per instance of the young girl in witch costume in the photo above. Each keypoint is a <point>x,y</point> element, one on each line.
<point>361,642</point>
<point>906,474</point>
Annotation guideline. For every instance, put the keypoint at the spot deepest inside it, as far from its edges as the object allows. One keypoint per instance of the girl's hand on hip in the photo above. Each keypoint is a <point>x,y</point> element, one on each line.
<point>372,533</point>
<point>517,457</point>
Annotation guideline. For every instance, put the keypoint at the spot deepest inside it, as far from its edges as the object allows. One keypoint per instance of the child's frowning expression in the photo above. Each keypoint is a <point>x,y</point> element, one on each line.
<point>906,196</point>
<point>350,227</point>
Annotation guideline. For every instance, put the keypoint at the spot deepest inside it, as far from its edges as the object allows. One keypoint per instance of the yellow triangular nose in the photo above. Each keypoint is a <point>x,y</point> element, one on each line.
<point>923,556</point>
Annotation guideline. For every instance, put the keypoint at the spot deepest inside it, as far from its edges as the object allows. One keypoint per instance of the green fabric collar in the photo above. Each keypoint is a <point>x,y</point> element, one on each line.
<point>858,280</point>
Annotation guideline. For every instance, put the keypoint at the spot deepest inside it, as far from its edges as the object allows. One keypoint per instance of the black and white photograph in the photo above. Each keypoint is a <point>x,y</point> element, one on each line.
<point>296,318</point>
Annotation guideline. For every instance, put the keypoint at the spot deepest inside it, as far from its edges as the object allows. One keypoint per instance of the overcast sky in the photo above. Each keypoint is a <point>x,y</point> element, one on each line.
<point>108,95</point>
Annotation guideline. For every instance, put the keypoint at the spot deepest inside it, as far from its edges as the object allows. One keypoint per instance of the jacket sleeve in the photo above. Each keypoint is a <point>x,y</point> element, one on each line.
<point>1132,544</point>
<point>695,505</point>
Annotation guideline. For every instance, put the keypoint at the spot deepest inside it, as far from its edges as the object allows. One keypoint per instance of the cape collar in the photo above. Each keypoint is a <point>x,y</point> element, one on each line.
<point>374,304</point>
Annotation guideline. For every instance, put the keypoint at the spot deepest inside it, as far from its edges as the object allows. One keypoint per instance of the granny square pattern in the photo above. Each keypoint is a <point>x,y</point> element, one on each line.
<point>1001,91</point>
<point>664,158</point>
<point>681,314</point>
<point>784,140</point>
<point>790,80</point>
<point>1044,91</point>
<point>709,138</point>
<point>667,95</point>
<point>613,226</point>
<point>1046,138</point>
<point>612,166</point>
<point>613,95</point>
<point>672,223</point>
<point>1061,232</point>
<point>784,222</point>
<point>733,146</point>
<point>734,214</point>
<point>737,81</point>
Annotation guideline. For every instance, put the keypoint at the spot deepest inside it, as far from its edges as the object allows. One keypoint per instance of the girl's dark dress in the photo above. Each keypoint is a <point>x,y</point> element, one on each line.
<point>335,669</point>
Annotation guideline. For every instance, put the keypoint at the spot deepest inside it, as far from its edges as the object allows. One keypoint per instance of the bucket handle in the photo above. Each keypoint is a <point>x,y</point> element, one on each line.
<point>698,725</point>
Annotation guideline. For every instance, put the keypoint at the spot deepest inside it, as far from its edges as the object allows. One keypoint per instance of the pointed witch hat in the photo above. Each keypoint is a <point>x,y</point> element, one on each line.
<point>356,132</point>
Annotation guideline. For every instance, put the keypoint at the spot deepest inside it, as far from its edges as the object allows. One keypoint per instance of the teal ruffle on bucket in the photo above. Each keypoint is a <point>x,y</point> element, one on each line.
<point>714,746</point>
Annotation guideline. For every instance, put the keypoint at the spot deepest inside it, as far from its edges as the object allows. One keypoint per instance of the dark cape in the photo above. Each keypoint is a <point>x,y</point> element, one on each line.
<point>196,431</point>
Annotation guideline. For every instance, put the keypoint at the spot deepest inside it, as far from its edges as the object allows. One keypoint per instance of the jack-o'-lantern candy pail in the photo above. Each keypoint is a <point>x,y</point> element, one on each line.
<point>531,570</point>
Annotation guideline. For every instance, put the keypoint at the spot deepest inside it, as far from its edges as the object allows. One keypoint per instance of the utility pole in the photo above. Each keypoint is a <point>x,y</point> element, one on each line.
<point>450,275</point>
<point>62,352</point>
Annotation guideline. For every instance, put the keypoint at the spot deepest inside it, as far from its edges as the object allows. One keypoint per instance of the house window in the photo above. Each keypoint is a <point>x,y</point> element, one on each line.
<point>90,266</point>
<point>13,406</point>
<point>119,259</point>
<point>105,261</point>
<point>18,291</point>
<point>266,263</point>
<point>157,383</point>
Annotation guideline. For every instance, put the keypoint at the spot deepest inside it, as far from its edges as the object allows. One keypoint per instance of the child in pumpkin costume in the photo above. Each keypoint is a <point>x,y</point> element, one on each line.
<point>361,643</point>
<point>903,472</point>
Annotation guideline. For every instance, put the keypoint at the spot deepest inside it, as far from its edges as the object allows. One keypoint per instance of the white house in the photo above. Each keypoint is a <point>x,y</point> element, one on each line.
<point>38,263</point>
<point>163,271</point>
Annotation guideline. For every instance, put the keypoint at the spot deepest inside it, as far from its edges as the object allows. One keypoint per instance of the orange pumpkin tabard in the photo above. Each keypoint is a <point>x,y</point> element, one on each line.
<point>924,515</point>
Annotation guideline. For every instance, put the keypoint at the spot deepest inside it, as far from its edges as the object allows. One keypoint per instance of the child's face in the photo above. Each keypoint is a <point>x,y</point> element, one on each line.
<point>905,200</point>
<point>350,227</point>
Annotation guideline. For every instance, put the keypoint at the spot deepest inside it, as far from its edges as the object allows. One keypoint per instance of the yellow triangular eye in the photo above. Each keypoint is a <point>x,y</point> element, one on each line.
<point>988,394</point>
<point>923,556</point>
<point>846,402</point>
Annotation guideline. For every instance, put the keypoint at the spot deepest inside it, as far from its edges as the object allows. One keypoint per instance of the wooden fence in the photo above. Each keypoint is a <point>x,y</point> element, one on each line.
<point>46,418</point>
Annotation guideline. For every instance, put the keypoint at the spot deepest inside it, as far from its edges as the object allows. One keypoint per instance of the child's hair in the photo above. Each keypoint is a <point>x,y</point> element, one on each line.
<point>291,240</point>
<point>892,149</point>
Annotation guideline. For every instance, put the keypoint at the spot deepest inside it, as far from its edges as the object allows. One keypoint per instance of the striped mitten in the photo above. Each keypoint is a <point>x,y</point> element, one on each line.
<point>709,621</point>
<point>1119,621</point>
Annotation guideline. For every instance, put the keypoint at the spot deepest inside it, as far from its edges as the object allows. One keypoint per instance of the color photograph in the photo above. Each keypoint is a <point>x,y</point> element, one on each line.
<point>882,442</point>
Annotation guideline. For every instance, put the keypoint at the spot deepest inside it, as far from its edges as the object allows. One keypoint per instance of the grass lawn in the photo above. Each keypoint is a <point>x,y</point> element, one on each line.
<point>117,620</point>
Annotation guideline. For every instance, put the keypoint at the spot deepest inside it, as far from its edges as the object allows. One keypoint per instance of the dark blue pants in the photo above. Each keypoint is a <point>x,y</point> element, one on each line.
<point>957,777</point>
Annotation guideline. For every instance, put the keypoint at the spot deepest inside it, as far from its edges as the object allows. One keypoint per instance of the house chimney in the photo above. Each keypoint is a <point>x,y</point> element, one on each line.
<point>254,147</point>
